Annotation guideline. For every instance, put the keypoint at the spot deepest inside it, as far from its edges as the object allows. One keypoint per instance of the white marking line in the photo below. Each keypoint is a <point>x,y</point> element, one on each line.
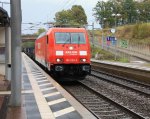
<point>51,94</point>
<point>38,75</point>
<point>56,101</point>
<point>64,111</point>
<point>44,80</point>
<point>46,89</point>
<point>44,109</point>
<point>45,84</point>
<point>5,92</point>
<point>9,92</point>
<point>27,91</point>
<point>40,78</point>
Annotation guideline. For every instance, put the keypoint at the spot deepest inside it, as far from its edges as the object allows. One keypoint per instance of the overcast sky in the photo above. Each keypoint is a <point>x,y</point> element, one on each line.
<point>36,11</point>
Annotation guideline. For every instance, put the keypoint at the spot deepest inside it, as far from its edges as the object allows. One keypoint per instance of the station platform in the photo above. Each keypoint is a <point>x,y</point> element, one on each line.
<point>44,98</point>
<point>143,65</point>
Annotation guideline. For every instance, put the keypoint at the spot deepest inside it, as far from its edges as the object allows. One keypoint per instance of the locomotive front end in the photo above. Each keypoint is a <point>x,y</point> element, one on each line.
<point>72,52</point>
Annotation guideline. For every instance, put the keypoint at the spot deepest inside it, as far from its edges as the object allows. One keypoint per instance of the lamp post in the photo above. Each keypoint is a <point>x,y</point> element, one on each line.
<point>115,15</point>
<point>102,26</point>
<point>92,32</point>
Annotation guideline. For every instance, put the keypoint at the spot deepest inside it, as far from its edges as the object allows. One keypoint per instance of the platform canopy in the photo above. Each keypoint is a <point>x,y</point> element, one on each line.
<point>4,18</point>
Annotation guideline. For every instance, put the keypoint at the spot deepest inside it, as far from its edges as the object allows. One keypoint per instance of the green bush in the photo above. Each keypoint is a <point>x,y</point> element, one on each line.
<point>141,31</point>
<point>105,55</point>
<point>123,60</point>
<point>28,44</point>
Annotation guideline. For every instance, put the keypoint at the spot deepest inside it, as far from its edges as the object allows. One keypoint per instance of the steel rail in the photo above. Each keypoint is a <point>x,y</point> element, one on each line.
<point>110,100</point>
<point>122,85</point>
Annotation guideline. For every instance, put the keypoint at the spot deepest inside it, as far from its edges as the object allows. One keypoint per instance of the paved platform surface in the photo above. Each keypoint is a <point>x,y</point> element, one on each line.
<point>43,98</point>
<point>4,98</point>
<point>134,64</point>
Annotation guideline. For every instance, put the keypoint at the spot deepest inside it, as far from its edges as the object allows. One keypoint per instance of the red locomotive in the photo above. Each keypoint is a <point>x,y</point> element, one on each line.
<point>64,51</point>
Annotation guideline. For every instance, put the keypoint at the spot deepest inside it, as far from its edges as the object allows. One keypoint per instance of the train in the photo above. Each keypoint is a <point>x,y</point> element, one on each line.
<point>64,52</point>
<point>29,51</point>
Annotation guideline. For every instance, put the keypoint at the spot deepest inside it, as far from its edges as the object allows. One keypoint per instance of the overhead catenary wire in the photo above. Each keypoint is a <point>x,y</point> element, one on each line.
<point>71,3</point>
<point>59,6</point>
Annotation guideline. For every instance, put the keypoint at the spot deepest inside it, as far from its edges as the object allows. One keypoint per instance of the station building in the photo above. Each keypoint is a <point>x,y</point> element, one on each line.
<point>4,23</point>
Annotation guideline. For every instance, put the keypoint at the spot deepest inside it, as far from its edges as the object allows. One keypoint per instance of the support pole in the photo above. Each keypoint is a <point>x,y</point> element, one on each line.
<point>16,60</point>
<point>93,34</point>
<point>102,26</point>
<point>7,54</point>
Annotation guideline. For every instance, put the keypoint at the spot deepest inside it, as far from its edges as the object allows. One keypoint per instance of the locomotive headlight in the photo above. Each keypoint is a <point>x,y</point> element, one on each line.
<point>70,48</point>
<point>59,60</point>
<point>83,60</point>
<point>83,53</point>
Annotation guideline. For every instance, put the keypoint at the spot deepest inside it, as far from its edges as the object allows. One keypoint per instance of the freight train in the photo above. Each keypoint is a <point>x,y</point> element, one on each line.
<point>64,52</point>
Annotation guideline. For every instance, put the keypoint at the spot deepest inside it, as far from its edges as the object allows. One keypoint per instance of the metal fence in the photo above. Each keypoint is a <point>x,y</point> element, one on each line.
<point>123,46</point>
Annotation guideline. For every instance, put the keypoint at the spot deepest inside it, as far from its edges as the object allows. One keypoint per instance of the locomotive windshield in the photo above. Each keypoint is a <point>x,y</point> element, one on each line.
<point>70,38</point>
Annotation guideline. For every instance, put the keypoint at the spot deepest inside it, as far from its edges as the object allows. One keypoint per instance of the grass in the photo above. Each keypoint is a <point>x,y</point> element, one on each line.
<point>141,31</point>
<point>136,33</point>
<point>147,65</point>
<point>105,55</point>
<point>124,60</point>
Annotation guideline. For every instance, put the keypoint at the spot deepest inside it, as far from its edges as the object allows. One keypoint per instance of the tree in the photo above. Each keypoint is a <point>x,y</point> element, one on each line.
<point>41,30</point>
<point>129,11</point>
<point>100,11</point>
<point>74,16</point>
<point>78,15</point>
<point>63,17</point>
<point>104,10</point>
<point>143,9</point>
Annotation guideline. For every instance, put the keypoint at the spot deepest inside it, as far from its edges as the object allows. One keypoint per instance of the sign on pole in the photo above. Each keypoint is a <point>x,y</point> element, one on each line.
<point>124,43</point>
<point>113,30</point>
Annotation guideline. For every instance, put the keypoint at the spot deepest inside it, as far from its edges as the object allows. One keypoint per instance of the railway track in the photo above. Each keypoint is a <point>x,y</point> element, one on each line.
<point>133,85</point>
<point>109,96</point>
<point>100,104</point>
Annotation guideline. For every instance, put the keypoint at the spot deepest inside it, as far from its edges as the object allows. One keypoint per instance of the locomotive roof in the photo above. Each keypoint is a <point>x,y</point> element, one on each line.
<point>57,29</point>
<point>41,35</point>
